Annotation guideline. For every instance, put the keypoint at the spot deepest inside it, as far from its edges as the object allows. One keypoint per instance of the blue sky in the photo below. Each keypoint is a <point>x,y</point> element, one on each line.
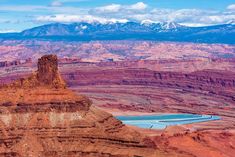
<point>17,15</point>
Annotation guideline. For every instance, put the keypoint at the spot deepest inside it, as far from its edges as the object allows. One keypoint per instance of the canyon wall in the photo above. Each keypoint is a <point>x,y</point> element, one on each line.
<point>212,82</point>
<point>39,117</point>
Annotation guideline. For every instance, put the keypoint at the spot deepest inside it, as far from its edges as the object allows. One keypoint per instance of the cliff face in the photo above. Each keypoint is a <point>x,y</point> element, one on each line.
<point>47,69</point>
<point>206,80</point>
<point>46,76</point>
<point>40,117</point>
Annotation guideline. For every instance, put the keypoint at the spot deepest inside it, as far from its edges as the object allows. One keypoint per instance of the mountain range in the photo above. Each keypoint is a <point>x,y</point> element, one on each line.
<point>166,31</point>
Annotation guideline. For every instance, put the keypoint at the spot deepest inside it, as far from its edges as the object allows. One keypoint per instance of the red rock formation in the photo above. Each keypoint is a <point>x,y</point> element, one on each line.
<point>200,143</point>
<point>40,117</point>
<point>15,62</point>
<point>47,75</point>
<point>47,69</point>
<point>116,50</point>
<point>212,82</point>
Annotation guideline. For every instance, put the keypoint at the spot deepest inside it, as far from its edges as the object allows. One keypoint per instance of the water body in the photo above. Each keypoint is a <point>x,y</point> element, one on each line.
<point>162,121</point>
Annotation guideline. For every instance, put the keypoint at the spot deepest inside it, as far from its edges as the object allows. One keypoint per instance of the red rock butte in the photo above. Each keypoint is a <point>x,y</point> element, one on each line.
<point>48,70</point>
<point>39,116</point>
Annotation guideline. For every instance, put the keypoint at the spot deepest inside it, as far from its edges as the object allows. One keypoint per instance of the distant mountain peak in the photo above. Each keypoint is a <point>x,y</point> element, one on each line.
<point>81,27</point>
<point>231,22</point>
<point>170,25</point>
<point>145,30</point>
<point>147,22</point>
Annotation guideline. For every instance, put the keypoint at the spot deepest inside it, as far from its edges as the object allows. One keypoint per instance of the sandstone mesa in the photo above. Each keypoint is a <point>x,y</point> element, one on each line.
<point>39,116</point>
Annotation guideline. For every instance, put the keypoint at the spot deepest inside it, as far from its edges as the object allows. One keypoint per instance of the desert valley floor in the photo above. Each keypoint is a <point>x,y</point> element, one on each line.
<point>150,87</point>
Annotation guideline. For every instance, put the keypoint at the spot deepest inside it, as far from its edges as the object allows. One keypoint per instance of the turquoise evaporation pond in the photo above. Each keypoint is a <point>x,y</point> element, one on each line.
<point>162,121</point>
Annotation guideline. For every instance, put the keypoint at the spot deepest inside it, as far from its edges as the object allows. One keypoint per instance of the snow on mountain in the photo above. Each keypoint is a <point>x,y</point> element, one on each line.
<point>146,30</point>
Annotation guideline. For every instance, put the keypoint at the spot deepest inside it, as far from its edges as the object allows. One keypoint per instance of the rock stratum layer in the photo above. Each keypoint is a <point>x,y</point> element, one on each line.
<point>40,117</point>
<point>96,51</point>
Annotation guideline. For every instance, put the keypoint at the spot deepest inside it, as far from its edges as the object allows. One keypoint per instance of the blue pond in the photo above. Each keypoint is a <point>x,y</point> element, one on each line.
<point>162,121</point>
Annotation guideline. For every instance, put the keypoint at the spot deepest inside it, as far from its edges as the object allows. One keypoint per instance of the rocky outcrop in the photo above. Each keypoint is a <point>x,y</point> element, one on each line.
<point>40,117</point>
<point>47,75</point>
<point>48,69</point>
<point>216,143</point>
<point>15,62</point>
<point>211,82</point>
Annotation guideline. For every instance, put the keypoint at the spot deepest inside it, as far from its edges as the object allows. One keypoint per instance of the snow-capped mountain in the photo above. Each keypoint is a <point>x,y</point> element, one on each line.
<point>98,28</point>
<point>146,30</point>
<point>170,25</point>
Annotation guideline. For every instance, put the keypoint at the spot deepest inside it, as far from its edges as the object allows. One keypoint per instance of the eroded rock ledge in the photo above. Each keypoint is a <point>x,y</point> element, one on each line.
<point>39,116</point>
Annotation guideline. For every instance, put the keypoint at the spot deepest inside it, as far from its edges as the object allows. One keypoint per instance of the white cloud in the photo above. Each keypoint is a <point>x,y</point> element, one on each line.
<point>7,31</point>
<point>194,24</point>
<point>56,4</point>
<point>190,17</point>
<point>231,7</point>
<point>138,6</point>
<point>117,8</point>
<point>138,12</point>
<point>109,8</point>
<point>78,18</point>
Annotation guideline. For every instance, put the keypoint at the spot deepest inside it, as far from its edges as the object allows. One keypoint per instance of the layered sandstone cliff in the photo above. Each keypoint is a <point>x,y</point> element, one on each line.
<point>39,116</point>
<point>206,81</point>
